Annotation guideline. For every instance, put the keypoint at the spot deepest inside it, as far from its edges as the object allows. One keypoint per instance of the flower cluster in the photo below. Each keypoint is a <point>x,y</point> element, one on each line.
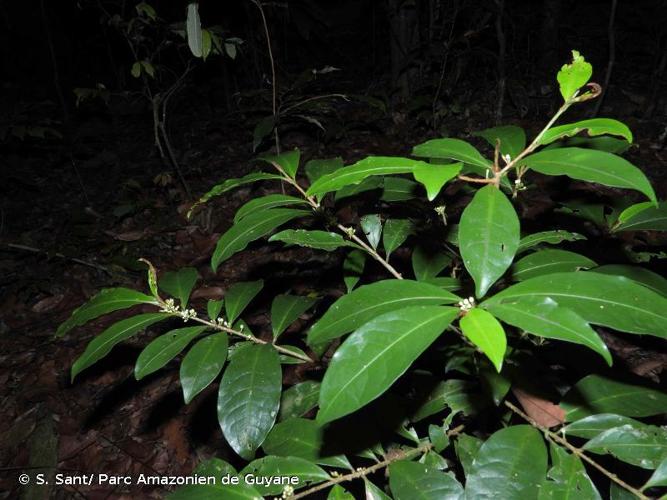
<point>466,304</point>
<point>170,307</point>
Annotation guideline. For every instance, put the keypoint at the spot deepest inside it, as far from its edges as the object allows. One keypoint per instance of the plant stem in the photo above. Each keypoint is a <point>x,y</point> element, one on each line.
<point>365,471</point>
<point>577,451</point>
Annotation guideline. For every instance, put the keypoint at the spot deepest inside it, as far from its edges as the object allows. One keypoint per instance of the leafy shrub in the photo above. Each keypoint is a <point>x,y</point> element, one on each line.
<point>452,358</point>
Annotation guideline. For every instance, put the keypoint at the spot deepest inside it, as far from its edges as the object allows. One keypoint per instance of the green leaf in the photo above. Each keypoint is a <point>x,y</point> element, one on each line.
<point>373,492</point>
<point>612,301</point>
<point>512,139</point>
<point>151,276</point>
<point>206,43</point>
<point>592,166</point>
<point>286,309</point>
<point>549,261</point>
<point>101,345</point>
<point>265,203</point>
<point>593,425</point>
<point>644,447</point>
<point>369,301</point>
<point>202,363</point>
<point>413,481</point>
<point>239,296</point>
<point>239,491</point>
<point>369,184</point>
<point>251,228</point>
<point>547,237</point>
<point>262,130</point>
<point>371,225</point>
<point>488,237</point>
<point>106,301</point>
<point>135,71</point>
<point>597,394</point>
<point>427,264</point>
<point>375,355</point>
<point>637,274</point>
<point>455,394</point>
<point>434,177</point>
<point>467,447</point>
<point>317,168</point>
<point>396,231</point>
<point>573,76</point>
<point>543,317</point>
<point>193,29</point>
<point>510,465</point>
<point>249,397</point>
<point>339,493</point>
<point>495,384</point>
<point>602,143</point>
<point>163,349</point>
<point>483,330</point>
<point>398,189</point>
<point>230,184</point>
<point>299,400</point>
<point>594,126</point>
<point>213,308</point>
<point>302,438</point>
<point>567,478</point>
<point>320,240</point>
<point>659,477</point>
<point>275,467</point>
<point>354,174</point>
<point>453,149</point>
<point>288,161</point>
<point>353,268</point>
<point>648,218</point>
<point>180,283</point>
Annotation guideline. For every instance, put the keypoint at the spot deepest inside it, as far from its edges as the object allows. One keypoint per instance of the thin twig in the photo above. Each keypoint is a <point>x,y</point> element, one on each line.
<point>477,180</point>
<point>26,248</point>
<point>577,451</point>
<point>314,98</point>
<point>612,56</point>
<point>363,472</point>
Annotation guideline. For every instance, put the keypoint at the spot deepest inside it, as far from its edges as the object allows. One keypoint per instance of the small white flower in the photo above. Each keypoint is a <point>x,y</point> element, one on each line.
<point>466,304</point>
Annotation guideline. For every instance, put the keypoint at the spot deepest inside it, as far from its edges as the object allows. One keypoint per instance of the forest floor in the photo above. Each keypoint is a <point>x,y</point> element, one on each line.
<point>75,219</point>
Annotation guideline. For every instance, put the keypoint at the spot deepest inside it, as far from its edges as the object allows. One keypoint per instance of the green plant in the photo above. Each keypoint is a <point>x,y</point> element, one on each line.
<point>450,358</point>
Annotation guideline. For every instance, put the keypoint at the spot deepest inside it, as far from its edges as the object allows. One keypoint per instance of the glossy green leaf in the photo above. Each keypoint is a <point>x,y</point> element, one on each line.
<point>592,166</point>
<point>638,274</point>
<point>180,283</point>
<point>239,296</point>
<point>488,237</point>
<point>299,400</point>
<point>453,149</point>
<point>230,184</point>
<point>213,308</point>
<point>249,397</point>
<point>202,364</point>
<point>369,301</point>
<point>398,189</point>
<point>648,218</point>
<point>274,467</point>
<point>354,174</point>
<point>302,438</point>
<point>596,394</point>
<point>495,384</point>
<point>549,261</point>
<point>593,425</point>
<point>457,395</point>
<point>511,465</point>
<point>602,143</point>
<point>288,161</point>
<point>612,301</point>
<point>353,268</point>
<point>371,225</point>
<point>193,30</point>
<point>396,231</point>
<point>644,447</point>
<point>375,355</point>
<point>339,493</point>
<point>265,203</point>
<point>450,284</point>
<point>101,345</point>
<point>414,481</point>
<point>573,76</point>
<point>567,478</point>
<point>467,447</point>
<point>547,237</point>
<point>286,309</point>
<point>594,126</point>
<point>483,330</point>
<point>239,491</point>
<point>372,492</point>
<point>106,301</point>
<point>542,316</point>
<point>434,177</point>
<point>368,184</point>
<point>659,477</point>
<point>512,139</point>
<point>427,264</point>
<point>251,228</point>
<point>317,168</point>
<point>286,359</point>
<point>163,349</point>
<point>320,240</point>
